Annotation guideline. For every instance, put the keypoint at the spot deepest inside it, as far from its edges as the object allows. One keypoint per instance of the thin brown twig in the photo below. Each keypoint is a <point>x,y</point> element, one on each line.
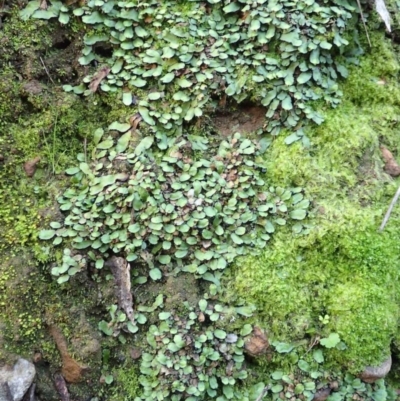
<point>363,21</point>
<point>47,71</point>
<point>389,211</point>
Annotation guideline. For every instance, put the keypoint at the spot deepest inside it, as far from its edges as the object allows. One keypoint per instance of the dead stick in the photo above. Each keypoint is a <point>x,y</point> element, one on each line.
<point>389,211</point>
<point>363,21</point>
<point>47,72</point>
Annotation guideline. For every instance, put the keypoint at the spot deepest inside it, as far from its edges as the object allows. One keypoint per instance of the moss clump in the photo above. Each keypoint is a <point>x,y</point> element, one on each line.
<point>342,276</point>
<point>126,384</point>
<point>344,268</point>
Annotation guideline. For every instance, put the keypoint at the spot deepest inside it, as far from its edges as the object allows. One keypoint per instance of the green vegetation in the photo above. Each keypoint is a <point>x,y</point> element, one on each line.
<point>341,268</point>
<point>277,53</point>
<point>175,197</point>
<point>308,377</point>
<point>184,358</point>
<point>168,207</point>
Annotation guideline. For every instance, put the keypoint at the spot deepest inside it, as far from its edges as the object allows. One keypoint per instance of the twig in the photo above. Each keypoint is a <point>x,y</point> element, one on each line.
<point>389,211</point>
<point>265,391</point>
<point>363,21</point>
<point>47,71</point>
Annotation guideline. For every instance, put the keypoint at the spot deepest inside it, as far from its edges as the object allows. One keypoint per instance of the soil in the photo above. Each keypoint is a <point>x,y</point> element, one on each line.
<point>245,120</point>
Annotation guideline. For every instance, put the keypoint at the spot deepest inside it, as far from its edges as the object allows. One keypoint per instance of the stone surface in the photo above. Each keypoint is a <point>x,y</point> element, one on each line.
<point>322,395</point>
<point>373,373</point>
<point>257,344</point>
<point>17,378</point>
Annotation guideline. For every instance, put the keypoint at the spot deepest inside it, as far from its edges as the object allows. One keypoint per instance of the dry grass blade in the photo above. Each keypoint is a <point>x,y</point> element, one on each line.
<point>363,21</point>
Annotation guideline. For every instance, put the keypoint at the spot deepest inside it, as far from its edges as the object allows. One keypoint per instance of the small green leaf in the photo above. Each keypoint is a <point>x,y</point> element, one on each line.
<point>219,334</point>
<point>304,77</point>
<point>144,144</point>
<point>203,305</point>
<point>298,214</point>
<point>72,170</point>
<point>46,234</point>
<point>283,348</point>
<point>63,18</point>
<point>331,341</point>
<point>277,388</point>
<point>103,326</point>
<point>127,98</point>
<point>155,274</point>
<point>318,356</point>
<point>164,315</point>
<point>164,259</point>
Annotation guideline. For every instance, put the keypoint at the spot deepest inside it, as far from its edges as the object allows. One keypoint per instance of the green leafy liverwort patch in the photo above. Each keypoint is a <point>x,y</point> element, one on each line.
<point>189,362</point>
<point>171,208</point>
<point>185,56</point>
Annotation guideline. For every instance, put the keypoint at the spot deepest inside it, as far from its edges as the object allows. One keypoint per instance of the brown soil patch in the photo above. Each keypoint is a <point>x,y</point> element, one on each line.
<point>244,120</point>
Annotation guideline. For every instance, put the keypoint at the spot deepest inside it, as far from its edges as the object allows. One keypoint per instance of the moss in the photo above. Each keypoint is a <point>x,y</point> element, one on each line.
<point>341,268</point>
<point>126,384</point>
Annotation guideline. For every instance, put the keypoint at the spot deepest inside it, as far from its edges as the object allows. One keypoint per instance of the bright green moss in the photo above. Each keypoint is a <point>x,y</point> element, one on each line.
<point>340,275</point>
<point>127,385</point>
<point>344,268</point>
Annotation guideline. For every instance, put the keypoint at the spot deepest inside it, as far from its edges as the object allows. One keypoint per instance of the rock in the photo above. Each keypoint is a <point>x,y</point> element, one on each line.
<point>61,387</point>
<point>5,393</point>
<point>257,344</point>
<point>30,166</point>
<point>16,380</point>
<point>322,395</point>
<point>33,87</point>
<point>30,394</point>
<point>373,373</point>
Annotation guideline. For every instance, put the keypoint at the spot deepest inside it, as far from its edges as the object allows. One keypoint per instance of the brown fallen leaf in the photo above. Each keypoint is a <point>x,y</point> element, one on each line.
<point>43,5</point>
<point>71,370</point>
<point>98,77</point>
<point>120,269</point>
<point>257,344</point>
<point>30,166</point>
<point>135,120</point>
<point>391,166</point>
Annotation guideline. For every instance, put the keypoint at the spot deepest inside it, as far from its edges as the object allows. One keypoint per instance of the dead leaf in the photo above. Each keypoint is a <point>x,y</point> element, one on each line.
<point>391,166</point>
<point>135,120</point>
<point>120,269</point>
<point>30,166</point>
<point>43,5</point>
<point>98,77</point>
<point>257,344</point>
<point>71,370</point>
